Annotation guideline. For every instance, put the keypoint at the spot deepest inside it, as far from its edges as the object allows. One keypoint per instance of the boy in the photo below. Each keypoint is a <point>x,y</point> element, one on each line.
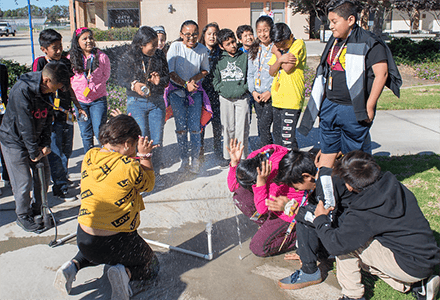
<point>354,68</point>
<point>383,232</point>
<point>230,82</point>
<point>288,90</point>
<point>245,35</point>
<point>25,136</point>
<point>62,128</point>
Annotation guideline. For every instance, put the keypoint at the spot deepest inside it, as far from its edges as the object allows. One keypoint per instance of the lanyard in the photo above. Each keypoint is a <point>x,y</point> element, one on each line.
<point>261,63</point>
<point>146,70</point>
<point>335,60</point>
<point>90,70</point>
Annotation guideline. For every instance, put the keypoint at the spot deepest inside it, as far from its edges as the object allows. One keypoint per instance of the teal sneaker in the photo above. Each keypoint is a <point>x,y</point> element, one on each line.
<point>299,280</point>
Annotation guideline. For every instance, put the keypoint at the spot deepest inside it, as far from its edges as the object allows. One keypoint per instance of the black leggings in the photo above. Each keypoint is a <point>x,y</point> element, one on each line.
<point>284,127</point>
<point>126,248</point>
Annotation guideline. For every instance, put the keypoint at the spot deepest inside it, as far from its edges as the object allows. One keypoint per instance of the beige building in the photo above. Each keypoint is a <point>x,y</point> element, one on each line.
<point>172,13</point>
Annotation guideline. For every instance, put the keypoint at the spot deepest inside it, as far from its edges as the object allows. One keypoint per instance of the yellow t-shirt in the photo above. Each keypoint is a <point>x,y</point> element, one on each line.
<point>288,90</point>
<point>110,191</point>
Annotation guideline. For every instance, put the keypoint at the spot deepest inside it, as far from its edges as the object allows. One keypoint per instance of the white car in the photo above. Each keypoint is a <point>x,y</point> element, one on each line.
<point>6,29</point>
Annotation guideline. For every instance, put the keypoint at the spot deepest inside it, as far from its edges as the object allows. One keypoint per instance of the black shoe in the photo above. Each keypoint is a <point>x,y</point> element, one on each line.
<point>348,298</point>
<point>426,289</point>
<point>66,195</point>
<point>27,223</point>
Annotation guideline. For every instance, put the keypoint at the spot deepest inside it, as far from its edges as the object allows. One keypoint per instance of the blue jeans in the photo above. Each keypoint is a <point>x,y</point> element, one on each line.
<point>149,113</point>
<point>187,118</point>
<point>97,115</point>
<point>61,146</point>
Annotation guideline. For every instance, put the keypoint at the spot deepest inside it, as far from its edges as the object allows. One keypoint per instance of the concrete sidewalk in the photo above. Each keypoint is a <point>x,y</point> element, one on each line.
<point>177,215</point>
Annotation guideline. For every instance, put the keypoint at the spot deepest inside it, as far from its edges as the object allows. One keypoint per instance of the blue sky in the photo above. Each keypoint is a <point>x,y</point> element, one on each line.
<point>10,4</point>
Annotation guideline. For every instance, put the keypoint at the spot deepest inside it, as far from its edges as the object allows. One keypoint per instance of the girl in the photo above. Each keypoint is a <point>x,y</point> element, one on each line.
<point>188,64</point>
<point>259,79</point>
<point>251,182</point>
<point>92,70</point>
<point>143,71</point>
<point>287,66</point>
<point>109,213</point>
<point>209,39</point>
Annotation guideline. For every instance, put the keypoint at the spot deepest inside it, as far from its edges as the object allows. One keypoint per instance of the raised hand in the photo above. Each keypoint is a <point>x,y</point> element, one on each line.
<point>235,150</point>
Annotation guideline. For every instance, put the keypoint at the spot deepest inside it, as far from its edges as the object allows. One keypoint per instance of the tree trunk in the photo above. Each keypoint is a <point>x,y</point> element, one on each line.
<point>378,20</point>
<point>312,21</point>
<point>416,18</point>
<point>365,15</point>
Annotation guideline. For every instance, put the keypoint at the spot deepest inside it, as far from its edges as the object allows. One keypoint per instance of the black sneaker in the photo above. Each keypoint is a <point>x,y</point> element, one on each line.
<point>348,298</point>
<point>426,289</point>
<point>27,223</point>
<point>66,195</point>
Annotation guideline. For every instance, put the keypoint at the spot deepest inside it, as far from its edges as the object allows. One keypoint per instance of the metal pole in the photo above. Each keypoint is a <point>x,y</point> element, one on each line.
<point>30,28</point>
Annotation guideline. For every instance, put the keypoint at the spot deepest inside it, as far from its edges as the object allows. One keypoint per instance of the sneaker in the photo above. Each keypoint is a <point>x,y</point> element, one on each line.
<point>65,277</point>
<point>195,166</point>
<point>348,298</point>
<point>27,223</point>
<point>299,280</point>
<point>66,195</point>
<point>119,280</point>
<point>160,181</point>
<point>426,289</point>
<point>184,165</point>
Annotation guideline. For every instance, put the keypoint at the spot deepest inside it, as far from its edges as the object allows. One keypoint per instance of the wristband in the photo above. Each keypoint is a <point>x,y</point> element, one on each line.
<point>144,156</point>
<point>133,83</point>
<point>185,85</point>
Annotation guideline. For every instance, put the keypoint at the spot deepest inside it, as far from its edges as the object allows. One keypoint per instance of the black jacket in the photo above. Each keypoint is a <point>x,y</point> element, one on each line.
<point>4,83</point>
<point>386,211</point>
<point>27,123</point>
<point>130,69</point>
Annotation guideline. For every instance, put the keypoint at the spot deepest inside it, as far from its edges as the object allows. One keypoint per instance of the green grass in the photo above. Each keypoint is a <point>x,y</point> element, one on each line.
<point>421,174</point>
<point>412,98</point>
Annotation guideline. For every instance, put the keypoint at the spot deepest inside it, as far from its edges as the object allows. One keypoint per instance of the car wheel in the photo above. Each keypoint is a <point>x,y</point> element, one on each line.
<point>13,34</point>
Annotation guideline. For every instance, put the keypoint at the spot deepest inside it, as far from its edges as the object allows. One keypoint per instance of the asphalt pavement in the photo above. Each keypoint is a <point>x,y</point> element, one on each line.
<point>177,215</point>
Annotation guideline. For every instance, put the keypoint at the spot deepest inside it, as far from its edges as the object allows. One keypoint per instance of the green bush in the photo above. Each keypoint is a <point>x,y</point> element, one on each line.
<point>14,70</point>
<point>114,34</point>
<point>408,52</point>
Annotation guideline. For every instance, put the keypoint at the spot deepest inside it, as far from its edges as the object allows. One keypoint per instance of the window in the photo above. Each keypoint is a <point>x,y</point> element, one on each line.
<point>277,8</point>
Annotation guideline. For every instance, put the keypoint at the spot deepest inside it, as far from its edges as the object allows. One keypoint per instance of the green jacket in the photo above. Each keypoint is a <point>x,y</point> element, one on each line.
<point>230,75</point>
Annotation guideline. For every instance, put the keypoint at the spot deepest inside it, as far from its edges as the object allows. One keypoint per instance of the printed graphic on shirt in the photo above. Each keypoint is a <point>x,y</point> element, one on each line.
<point>125,199</point>
<point>122,220</point>
<point>89,162</point>
<point>340,64</point>
<point>139,178</point>
<point>84,212</point>
<point>105,169</point>
<point>86,193</point>
<point>133,223</point>
<point>231,72</point>
<point>126,160</point>
<point>123,183</point>
<point>84,174</point>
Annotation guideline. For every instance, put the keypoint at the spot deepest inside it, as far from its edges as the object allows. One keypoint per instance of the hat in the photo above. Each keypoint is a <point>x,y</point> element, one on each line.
<point>159,29</point>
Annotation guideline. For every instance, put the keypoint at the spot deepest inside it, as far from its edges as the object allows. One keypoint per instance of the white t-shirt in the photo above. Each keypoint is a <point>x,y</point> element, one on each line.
<point>187,62</point>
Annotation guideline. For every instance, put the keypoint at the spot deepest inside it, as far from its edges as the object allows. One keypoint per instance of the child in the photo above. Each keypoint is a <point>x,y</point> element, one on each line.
<point>92,70</point>
<point>231,83</point>
<point>4,102</point>
<point>288,88</point>
<point>251,181</point>
<point>209,39</point>
<point>355,66</point>
<point>188,64</point>
<point>161,38</point>
<point>62,126</point>
<point>25,136</point>
<point>145,66</point>
<point>245,35</point>
<point>259,79</point>
<point>383,232</point>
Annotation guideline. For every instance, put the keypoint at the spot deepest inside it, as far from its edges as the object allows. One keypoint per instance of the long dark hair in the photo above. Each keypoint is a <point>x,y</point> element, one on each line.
<point>253,50</point>
<point>142,37</point>
<point>247,173</point>
<point>119,130</point>
<point>76,53</point>
<point>205,29</point>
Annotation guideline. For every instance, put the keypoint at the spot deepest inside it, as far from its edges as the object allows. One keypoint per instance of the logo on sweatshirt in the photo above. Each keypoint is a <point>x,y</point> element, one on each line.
<point>120,221</point>
<point>40,114</point>
<point>231,72</point>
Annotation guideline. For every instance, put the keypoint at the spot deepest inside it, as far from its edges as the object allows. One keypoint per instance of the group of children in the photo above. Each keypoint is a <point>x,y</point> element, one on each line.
<point>366,219</point>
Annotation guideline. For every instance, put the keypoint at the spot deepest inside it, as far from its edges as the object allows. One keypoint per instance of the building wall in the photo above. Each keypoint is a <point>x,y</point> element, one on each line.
<point>299,25</point>
<point>227,13</point>
<point>156,12</point>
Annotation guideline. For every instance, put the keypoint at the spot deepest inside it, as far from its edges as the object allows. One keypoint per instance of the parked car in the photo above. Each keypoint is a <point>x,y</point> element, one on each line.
<point>6,29</point>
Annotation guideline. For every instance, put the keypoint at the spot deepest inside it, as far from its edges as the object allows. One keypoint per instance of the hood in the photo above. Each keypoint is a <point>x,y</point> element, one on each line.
<point>226,54</point>
<point>33,80</point>
<point>99,164</point>
<point>384,198</point>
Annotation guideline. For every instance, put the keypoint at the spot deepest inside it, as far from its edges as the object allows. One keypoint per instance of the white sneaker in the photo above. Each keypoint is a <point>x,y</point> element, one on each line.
<point>65,277</point>
<point>119,280</point>
<point>432,287</point>
<point>195,166</point>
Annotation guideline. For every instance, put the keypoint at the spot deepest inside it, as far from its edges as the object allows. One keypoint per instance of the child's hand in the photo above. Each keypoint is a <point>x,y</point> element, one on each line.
<point>145,146</point>
<point>264,97</point>
<point>256,96</point>
<point>138,88</point>
<point>116,112</point>
<point>154,78</point>
<point>276,203</point>
<point>275,50</point>
<point>82,112</point>
<point>263,172</point>
<point>46,151</point>
<point>192,86</point>
<point>292,256</point>
<point>235,150</point>
<point>288,58</point>
<point>320,210</point>
<point>370,113</point>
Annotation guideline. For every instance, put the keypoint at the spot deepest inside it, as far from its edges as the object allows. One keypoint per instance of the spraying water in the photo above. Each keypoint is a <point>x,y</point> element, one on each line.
<point>238,231</point>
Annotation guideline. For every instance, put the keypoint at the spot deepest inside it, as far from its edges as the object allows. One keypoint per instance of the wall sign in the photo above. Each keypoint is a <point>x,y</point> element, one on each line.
<point>123,17</point>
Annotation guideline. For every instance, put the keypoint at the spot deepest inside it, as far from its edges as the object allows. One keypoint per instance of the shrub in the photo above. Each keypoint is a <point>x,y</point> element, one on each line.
<point>14,70</point>
<point>408,52</point>
<point>114,34</point>
<point>117,98</point>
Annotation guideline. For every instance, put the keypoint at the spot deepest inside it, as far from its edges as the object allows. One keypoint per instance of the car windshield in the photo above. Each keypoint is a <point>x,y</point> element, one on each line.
<point>3,24</point>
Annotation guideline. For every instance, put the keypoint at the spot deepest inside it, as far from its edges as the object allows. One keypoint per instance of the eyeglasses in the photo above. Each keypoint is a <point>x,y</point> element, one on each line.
<point>189,35</point>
